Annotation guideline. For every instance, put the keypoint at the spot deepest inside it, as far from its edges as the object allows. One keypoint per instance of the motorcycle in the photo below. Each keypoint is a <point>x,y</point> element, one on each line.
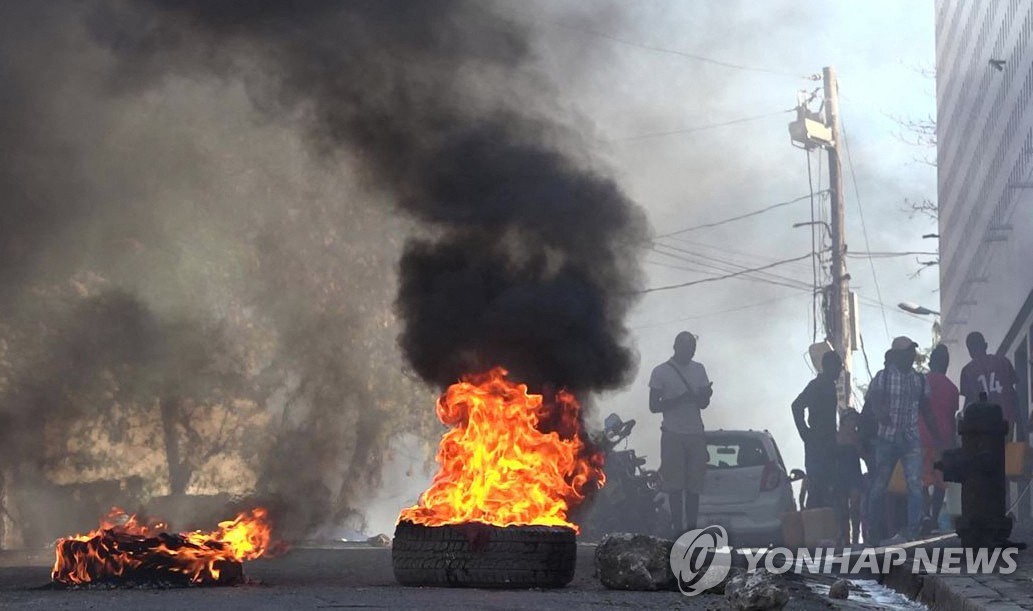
<point>631,500</point>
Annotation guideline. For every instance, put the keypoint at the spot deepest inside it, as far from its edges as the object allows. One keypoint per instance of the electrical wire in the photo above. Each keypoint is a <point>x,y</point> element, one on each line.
<point>715,312</point>
<point>725,277</point>
<point>864,352</point>
<point>725,250</point>
<point>864,227</point>
<point>1018,498</point>
<point>814,255</point>
<point>773,281</point>
<point>722,265</point>
<point>888,255</point>
<point>766,277</point>
<point>699,128</point>
<point>658,49</point>
<point>825,241</point>
<point>735,218</point>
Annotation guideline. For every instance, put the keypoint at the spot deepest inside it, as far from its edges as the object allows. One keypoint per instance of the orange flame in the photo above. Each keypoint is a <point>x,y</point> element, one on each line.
<point>123,544</point>
<point>511,458</point>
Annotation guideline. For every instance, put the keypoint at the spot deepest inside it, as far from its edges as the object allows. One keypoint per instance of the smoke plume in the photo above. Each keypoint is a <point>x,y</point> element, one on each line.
<point>532,264</point>
<point>130,134</point>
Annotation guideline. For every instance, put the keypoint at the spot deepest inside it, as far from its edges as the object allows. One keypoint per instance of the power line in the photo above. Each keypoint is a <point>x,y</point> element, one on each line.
<point>731,266</point>
<point>864,351</point>
<point>814,255</point>
<point>771,279</point>
<point>864,228</point>
<point>725,277</point>
<point>716,312</point>
<point>699,128</point>
<point>887,255</point>
<point>752,258</point>
<point>735,218</point>
<point>658,49</point>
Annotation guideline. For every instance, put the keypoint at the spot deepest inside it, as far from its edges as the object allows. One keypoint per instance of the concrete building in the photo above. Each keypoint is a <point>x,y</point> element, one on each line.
<point>984,96</point>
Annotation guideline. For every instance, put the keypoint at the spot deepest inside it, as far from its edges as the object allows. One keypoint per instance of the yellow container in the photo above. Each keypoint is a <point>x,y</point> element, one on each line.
<point>792,529</point>
<point>1016,453</point>
<point>898,483</point>
<point>819,527</point>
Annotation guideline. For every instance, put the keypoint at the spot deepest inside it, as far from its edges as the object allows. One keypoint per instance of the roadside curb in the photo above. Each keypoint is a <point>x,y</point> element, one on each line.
<point>949,592</point>
<point>955,592</point>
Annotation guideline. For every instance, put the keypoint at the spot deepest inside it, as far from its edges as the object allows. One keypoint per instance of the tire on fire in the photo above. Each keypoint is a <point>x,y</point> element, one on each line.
<point>483,556</point>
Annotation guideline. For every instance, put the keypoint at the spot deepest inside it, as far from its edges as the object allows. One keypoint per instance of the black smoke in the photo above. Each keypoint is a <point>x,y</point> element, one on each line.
<point>533,259</point>
<point>163,239</point>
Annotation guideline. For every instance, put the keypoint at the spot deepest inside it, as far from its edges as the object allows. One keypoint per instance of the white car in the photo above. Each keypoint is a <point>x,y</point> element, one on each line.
<point>746,489</point>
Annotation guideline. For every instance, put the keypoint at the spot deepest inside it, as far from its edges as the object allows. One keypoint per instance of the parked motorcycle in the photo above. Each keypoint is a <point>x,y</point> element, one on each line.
<point>631,500</point>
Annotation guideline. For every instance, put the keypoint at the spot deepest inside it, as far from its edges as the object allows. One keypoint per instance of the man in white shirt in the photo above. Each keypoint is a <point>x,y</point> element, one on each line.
<point>679,389</point>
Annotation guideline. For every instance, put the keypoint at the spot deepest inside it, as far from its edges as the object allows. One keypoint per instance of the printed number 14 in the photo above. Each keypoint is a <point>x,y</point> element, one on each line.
<point>994,387</point>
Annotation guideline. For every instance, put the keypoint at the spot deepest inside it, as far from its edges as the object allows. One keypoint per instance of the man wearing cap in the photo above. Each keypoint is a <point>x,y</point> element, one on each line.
<point>993,375</point>
<point>898,394</point>
<point>679,389</point>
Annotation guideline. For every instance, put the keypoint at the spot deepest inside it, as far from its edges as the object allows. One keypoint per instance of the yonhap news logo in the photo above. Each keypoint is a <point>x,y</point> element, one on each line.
<point>702,558</point>
<point>697,562</point>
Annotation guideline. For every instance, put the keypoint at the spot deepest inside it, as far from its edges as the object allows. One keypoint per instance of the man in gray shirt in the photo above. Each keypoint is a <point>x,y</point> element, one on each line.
<point>679,389</point>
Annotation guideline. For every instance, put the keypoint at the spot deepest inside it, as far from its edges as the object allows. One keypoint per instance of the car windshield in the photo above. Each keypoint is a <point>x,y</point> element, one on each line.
<point>735,452</point>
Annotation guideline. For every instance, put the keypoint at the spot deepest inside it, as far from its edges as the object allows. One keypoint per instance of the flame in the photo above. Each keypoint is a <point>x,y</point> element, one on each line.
<point>122,544</point>
<point>511,457</point>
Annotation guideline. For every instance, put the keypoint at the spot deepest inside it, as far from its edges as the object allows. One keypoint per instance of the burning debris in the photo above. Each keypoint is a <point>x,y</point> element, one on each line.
<point>125,550</point>
<point>511,469</point>
<point>511,458</point>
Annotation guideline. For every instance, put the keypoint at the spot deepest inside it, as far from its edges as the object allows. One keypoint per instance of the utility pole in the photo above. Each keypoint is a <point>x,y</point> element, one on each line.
<point>839,297</point>
<point>809,131</point>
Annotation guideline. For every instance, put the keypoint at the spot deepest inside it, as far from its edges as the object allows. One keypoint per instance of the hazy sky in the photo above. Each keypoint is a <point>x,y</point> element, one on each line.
<point>755,355</point>
<point>753,335</point>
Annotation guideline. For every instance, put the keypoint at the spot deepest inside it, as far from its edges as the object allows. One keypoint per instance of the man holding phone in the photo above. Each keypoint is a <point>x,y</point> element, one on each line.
<point>680,390</point>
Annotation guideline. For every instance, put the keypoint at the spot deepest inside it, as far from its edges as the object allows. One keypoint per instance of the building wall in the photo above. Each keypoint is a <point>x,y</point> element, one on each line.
<point>985,174</point>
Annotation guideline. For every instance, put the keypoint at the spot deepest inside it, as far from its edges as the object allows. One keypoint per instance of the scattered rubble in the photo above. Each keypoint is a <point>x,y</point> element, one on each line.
<point>720,588</point>
<point>840,590</point>
<point>380,540</point>
<point>757,591</point>
<point>626,561</point>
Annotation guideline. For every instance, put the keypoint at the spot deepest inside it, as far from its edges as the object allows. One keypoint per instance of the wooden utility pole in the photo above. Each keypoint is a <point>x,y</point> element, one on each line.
<point>839,293</point>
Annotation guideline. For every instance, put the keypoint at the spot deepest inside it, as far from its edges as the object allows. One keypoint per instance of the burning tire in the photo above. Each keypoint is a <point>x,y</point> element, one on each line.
<point>483,556</point>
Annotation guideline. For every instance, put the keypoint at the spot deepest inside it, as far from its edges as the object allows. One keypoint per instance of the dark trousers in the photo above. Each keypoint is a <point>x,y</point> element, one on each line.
<point>820,462</point>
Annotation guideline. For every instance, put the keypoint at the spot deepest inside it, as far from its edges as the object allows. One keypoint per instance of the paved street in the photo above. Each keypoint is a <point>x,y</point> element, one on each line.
<point>357,577</point>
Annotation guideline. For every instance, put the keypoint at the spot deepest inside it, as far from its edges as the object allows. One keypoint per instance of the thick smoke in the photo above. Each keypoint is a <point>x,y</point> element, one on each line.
<point>533,263</point>
<point>120,194</point>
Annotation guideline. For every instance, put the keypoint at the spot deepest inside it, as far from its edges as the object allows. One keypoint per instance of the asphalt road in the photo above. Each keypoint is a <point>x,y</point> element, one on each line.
<point>349,578</point>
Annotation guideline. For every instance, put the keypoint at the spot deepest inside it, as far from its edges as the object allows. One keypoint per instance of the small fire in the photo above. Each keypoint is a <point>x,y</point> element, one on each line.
<point>511,458</point>
<point>123,546</point>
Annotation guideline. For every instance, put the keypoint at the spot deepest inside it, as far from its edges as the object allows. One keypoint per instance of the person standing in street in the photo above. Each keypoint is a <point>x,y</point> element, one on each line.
<point>680,389</point>
<point>848,488</point>
<point>899,395</point>
<point>943,402</point>
<point>818,432</point>
<point>993,375</point>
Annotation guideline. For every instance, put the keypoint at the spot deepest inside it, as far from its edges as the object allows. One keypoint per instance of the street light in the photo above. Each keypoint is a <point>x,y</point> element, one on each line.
<point>822,223</point>
<point>914,308</point>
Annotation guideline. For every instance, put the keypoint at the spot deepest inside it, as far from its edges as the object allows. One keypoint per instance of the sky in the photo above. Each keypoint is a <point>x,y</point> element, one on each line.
<point>753,335</point>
